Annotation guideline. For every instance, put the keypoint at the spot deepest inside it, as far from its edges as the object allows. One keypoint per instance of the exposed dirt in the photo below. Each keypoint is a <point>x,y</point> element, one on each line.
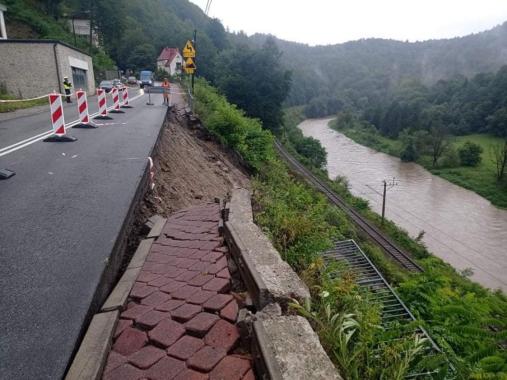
<point>191,168</point>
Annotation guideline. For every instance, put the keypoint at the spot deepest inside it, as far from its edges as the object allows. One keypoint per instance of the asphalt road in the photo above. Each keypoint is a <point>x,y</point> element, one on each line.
<point>60,216</point>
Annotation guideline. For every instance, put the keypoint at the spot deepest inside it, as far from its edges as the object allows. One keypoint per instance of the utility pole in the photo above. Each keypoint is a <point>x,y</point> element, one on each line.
<point>91,26</point>
<point>387,186</point>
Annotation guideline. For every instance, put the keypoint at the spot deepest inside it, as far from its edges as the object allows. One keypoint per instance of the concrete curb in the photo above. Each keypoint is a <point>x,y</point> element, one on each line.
<point>267,276</point>
<point>92,354</point>
<point>91,357</point>
<point>284,347</point>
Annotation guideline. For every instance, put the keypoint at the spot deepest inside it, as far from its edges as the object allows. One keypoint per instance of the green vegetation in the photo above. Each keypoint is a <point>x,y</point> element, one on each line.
<point>481,178</point>
<point>467,321</point>
<point>12,106</point>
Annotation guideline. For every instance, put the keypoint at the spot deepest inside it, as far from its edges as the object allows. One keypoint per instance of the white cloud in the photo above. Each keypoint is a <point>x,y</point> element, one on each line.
<point>334,21</point>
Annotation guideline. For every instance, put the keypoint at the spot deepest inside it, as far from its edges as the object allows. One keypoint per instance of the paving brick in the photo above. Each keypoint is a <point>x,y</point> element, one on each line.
<point>230,312</point>
<point>224,273</point>
<point>170,305</point>
<point>189,374</point>
<point>172,286</point>
<point>152,318</point>
<point>173,272</point>
<point>217,302</point>
<point>219,285</point>
<point>230,368</point>
<point>185,292</point>
<point>200,266</point>
<point>114,360</point>
<point>186,275</point>
<point>146,276</point>
<point>185,312</point>
<point>222,335</point>
<point>201,296</point>
<point>201,279</point>
<point>249,375</point>
<point>122,325</point>
<point>165,369</point>
<point>141,290</point>
<point>159,258</point>
<point>210,245</point>
<point>212,257</point>
<point>201,323</point>
<point>186,263</point>
<point>156,267</point>
<point>130,341</point>
<point>159,282</point>
<point>222,262</point>
<point>198,254</point>
<point>223,249</point>
<point>167,332</point>
<point>135,311</point>
<point>124,372</point>
<point>155,299</point>
<point>185,347</point>
<point>146,357</point>
<point>206,358</point>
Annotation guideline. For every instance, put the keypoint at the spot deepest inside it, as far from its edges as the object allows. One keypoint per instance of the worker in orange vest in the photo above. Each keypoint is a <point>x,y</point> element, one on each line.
<point>166,86</point>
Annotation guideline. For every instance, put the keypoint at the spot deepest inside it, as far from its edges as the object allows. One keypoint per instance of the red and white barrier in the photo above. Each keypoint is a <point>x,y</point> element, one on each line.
<point>101,97</point>
<point>126,99</point>
<point>57,120</point>
<point>82,107</point>
<point>116,101</point>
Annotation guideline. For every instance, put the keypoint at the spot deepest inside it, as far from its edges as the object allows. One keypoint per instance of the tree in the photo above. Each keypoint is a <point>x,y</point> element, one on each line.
<point>499,153</point>
<point>438,143</point>
<point>470,154</point>
<point>255,81</point>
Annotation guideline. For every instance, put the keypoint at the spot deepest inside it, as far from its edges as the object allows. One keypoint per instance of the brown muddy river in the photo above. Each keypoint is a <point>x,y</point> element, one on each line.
<point>460,227</point>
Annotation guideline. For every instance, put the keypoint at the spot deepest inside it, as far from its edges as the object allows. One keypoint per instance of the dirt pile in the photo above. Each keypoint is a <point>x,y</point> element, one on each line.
<point>191,168</point>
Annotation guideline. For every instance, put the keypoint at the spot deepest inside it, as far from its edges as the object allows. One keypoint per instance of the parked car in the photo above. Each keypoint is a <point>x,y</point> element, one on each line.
<point>132,80</point>
<point>117,83</point>
<point>106,85</point>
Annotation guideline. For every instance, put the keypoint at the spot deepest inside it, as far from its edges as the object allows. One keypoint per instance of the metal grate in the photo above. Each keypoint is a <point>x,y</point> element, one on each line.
<point>369,277</point>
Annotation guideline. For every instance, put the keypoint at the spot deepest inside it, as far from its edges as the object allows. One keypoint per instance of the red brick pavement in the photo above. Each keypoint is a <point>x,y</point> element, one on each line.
<point>179,323</point>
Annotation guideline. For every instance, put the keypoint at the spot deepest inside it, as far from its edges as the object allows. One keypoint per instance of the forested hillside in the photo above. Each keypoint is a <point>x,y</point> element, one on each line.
<point>355,73</point>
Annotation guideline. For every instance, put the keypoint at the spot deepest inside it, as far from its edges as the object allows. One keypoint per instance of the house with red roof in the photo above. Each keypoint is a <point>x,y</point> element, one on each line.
<point>170,60</point>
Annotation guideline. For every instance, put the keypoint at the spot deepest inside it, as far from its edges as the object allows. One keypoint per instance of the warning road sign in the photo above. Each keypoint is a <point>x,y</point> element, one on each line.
<point>188,50</point>
<point>190,66</point>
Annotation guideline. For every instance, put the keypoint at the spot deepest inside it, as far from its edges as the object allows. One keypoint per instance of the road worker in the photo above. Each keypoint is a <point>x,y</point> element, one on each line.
<point>67,86</point>
<point>166,86</point>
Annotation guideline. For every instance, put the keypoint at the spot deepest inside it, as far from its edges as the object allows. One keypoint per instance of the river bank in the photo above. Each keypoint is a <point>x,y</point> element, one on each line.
<point>459,226</point>
<point>481,179</point>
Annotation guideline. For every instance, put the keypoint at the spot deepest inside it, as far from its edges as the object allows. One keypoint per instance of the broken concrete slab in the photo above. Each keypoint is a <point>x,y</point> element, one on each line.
<point>90,359</point>
<point>268,277</point>
<point>291,350</point>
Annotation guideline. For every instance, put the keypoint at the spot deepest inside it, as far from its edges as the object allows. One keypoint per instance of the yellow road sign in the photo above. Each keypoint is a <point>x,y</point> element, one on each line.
<point>190,64</point>
<point>189,71</point>
<point>188,50</point>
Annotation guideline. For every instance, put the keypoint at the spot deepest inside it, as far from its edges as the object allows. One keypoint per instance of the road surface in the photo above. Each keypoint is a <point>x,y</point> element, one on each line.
<point>60,217</point>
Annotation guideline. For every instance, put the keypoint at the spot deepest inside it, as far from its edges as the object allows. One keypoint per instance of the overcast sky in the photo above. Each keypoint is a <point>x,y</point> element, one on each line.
<point>333,21</point>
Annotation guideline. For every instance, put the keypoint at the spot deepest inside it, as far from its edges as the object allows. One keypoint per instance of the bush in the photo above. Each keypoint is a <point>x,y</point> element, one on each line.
<point>470,154</point>
<point>409,153</point>
<point>450,158</point>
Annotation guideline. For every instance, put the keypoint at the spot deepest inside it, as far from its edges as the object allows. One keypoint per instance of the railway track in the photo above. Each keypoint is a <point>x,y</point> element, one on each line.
<point>365,226</point>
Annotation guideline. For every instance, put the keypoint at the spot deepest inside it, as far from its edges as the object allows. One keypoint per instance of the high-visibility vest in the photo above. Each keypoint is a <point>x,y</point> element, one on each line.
<point>67,85</point>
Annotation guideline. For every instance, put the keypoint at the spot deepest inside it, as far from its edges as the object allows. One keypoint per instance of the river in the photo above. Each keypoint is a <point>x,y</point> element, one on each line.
<point>460,226</point>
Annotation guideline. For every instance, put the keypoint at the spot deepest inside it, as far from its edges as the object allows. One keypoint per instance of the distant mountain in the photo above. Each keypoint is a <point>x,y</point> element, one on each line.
<point>368,67</point>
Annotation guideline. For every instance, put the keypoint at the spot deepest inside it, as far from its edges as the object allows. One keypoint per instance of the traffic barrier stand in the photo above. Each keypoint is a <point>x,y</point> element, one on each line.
<point>125,96</point>
<point>101,96</point>
<point>116,101</point>
<point>149,103</point>
<point>82,107</point>
<point>6,174</point>
<point>58,121</point>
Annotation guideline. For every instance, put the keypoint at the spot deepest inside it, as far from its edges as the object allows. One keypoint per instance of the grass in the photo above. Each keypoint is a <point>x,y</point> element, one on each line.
<point>9,107</point>
<point>468,321</point>
<point>481,179</point>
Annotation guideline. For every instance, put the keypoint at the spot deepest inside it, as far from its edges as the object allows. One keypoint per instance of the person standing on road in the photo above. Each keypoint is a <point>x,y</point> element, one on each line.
<point>166,86</point>
<point>67,86</point>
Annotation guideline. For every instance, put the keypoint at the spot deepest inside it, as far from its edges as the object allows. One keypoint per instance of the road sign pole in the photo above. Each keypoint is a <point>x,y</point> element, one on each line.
<point>149,97</point>
<point>195,47</point>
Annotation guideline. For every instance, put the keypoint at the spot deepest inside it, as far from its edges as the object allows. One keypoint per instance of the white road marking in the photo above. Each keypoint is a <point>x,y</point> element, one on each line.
<point>22,144</point>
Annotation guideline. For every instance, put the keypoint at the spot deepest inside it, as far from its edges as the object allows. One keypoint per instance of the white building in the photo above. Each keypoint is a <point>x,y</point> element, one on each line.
<point>3,31</point>
<point>170,60</point>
